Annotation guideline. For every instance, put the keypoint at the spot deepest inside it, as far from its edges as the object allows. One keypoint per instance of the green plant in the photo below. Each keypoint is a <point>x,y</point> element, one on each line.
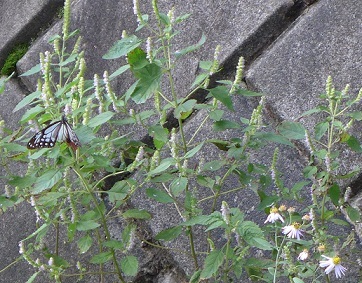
<point>64,184</point>
<point>14,56</point>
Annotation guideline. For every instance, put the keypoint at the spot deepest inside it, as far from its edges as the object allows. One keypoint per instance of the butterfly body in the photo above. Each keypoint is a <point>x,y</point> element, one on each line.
<point>58,131</point>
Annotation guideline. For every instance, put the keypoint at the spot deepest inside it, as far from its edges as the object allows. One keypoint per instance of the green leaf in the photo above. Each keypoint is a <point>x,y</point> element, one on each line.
<point>136,214</point>
<point>70,59</point>
<point>221,93</point>
<point>178,186</point>
<point>84,244</point>
<point>87,225</point>
<point>129,265</point>
<point>216,115</point>
<point>353,214</point>
<point>149,80</point>
<point>334,193</point>
<point>184,110</point>
<point>26,100</point>
<point>193,151</point>
<point>22,182</point>
<point>213,165</point>
<point>191,48</point>
<point>32,278</point>
<point>137,59</point>
<point>354,144</point>
<point>158,195</point>
<point>292,130</point>
<point>165,163</point>
<point>212,263</point>
<point>272,137</point>
<point>159,133</point>
<point>119,191</point>
<point>119,71</point>
<point>122,47</point>
<point>32,71</point>
<point>47,180</point>
<point>114,244</point>
<point>100,119</point>
<point>169,234</point>
<point>320,130</point>
<point>223,125</point>
<point>101,257</point>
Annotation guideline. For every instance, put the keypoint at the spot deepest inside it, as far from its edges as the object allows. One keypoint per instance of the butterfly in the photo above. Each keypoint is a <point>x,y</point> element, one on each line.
<point>58,131</point>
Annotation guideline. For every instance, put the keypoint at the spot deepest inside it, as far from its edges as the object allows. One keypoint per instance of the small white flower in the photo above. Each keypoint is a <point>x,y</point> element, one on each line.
<point>274,216</point>
<point>303,255</point>
<point>333,263</point>
<point>293,231</point>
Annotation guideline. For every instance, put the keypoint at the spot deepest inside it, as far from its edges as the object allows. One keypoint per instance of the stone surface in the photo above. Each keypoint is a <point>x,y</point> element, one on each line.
<point>22,21</point>
<point>323,41</point>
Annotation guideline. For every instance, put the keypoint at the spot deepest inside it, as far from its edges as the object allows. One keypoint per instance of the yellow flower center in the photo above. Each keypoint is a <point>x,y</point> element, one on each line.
<point>336,260</point>
<point>273,210</point>
<point>296,225</point>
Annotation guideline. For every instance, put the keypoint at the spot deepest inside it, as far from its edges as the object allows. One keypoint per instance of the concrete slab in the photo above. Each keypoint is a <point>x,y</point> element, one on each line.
<point>21,21</point>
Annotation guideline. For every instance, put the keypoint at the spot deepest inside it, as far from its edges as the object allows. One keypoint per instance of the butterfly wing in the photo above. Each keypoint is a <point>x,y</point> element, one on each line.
<point>67,134</point>
<point>46,137</point>
<point>58,131</point>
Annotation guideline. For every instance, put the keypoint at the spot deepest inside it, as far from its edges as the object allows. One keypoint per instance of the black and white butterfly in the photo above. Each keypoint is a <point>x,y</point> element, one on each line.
<point>58,131</point>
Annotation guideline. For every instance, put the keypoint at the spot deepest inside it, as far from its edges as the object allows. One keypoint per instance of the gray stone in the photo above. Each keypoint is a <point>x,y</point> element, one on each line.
<point>21,21</point>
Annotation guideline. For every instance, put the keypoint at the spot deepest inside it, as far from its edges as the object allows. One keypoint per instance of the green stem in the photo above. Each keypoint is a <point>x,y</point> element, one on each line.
<point>104,223</point>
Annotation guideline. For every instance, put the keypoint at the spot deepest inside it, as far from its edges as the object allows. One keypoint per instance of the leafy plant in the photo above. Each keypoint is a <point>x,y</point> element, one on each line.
<point>15,55</point>
<point>69,186</point>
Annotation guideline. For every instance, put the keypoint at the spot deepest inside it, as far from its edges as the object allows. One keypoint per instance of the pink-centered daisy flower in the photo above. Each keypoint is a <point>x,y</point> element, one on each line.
<point>274,216</point>
<point>293,231</point>
<point>333,263</point>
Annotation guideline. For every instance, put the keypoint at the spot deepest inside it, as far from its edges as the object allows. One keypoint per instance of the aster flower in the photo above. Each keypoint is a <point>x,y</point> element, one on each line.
<point>333,263</point>
<point>274,216</point>
<point>303,255</point>
<point>293,231</point>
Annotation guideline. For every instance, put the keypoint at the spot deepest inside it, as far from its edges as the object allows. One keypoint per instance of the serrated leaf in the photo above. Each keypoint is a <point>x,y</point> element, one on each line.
<point>129,265</point>
<point>158,195</point>
<point>354,144</point>
<point>221,93</point>
<point>47,180</point>
<point>84,244</point>
<point>101,258</point>
<point>149,80</point>
<point>122,47</point>
<point>216,115</point>
<point>292,130</point>
<point>136,214</point>
<point>272,137</point>
<point>169,234</point>
<point>212,263</point>
<point>114,244</point>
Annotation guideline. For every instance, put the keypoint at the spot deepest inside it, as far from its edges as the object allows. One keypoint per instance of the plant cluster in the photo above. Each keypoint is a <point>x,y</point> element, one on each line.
<point>65,185</point>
